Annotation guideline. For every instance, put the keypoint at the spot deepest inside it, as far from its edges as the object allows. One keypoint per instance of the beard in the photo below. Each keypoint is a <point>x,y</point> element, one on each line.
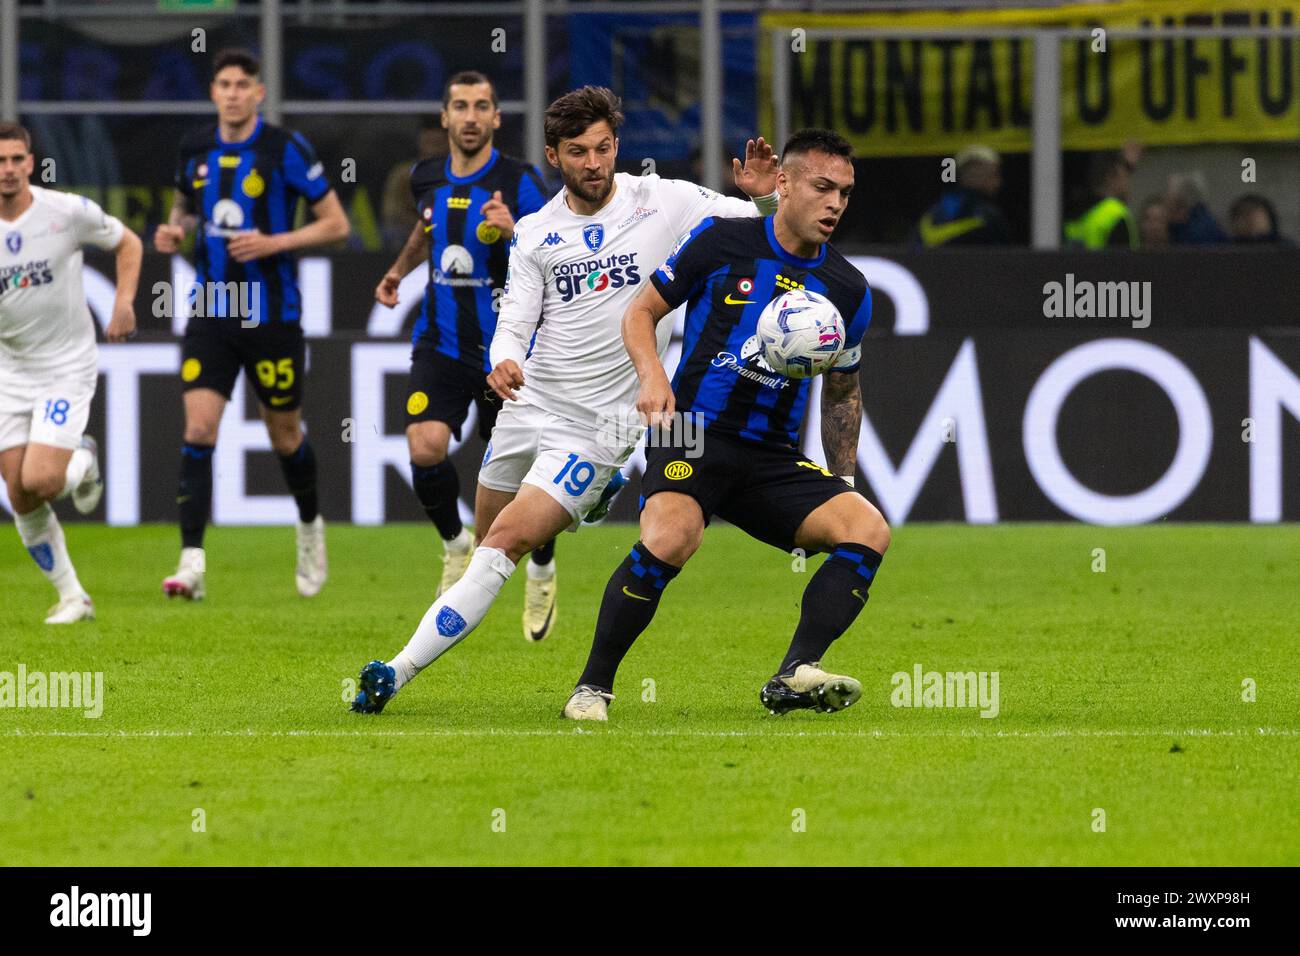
<point>476,143</point>
<point>589,191</point>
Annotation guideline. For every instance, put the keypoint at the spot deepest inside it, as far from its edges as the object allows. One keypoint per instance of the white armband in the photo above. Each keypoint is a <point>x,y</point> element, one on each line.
<point>766,204</point>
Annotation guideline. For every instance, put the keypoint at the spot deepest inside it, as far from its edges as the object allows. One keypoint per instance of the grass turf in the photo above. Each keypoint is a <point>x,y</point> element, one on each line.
<point>1119,690</point>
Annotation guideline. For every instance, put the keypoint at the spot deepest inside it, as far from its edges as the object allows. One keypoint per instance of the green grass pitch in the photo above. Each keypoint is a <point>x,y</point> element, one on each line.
<point>1120,691</point>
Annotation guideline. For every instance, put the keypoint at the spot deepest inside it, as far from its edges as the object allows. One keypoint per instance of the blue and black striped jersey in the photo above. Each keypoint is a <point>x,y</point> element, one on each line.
<point>468,256</point>
<point>239,187</point>
<point>728,270</point>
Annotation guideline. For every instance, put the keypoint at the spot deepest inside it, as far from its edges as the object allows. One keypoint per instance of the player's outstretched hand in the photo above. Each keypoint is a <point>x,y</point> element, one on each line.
<point>122,325</point>
<point>505,378</point>
<point>656,402</point>
<point>167,238</point>
<point>251,245</point>
<point>757,177</point>
<point>386,291</point>
<point>497,213</point>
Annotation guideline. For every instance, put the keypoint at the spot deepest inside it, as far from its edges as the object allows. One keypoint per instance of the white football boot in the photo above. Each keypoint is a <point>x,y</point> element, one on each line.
<point>85,497</point>
<point>456,555</point>
<point>810,688</point>
<point>588,703</point>
<point>313,566</point>
<point>539,608</point>
<point>71,610</point>
<point>187,582</point>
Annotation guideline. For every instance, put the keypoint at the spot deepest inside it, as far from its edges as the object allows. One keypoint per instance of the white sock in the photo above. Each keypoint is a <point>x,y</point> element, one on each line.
<point>78,465</point>
<point>42,536</point>
<point>451,618</point>
<point>541,572</point>
<point>462,543</point>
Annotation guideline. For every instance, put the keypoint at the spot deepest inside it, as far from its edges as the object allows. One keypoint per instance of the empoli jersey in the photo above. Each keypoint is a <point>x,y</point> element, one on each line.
<point>467,255</point>
<point>238,187</point>
<point>728,270</point>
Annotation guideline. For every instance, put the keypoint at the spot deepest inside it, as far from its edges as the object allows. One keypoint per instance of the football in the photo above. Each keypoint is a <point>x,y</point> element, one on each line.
<point>800,334</point>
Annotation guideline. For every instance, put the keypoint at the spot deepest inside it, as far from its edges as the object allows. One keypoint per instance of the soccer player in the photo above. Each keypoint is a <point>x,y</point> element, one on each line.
<point>48,359</point>
<point>749,470</point>
<point>557,445</point>
<point>238,182</point>
<point>467,204</point>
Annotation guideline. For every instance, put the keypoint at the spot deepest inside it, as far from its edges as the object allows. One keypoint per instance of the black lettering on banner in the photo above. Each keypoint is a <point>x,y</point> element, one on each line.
<point>1153,109</point>
<point>899,79</point>
<point>945,51</point>
<point>1193,66</point>
<point>859,61</point>
<point>1232,64</point>
<point>982,88</point>
<point>1275,105</point>
<point>1020,115</point>
<point>812,99</point>
<point>1092,113</point>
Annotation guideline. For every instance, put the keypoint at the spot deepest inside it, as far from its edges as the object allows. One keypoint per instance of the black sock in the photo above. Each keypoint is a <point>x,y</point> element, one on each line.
<point>545,554</point>
<point>438,489</point>
<point>195,494</point>
<point>831,602</point>
<point>300,474</point>
<point>631,598</point>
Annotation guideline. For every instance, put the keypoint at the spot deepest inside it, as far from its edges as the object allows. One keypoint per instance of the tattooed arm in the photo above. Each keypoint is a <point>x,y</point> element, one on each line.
<point>841,422</point>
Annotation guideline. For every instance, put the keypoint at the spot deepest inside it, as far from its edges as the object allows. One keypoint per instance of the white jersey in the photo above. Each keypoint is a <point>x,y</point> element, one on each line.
<point>576,275</point>
<point>44,320</point>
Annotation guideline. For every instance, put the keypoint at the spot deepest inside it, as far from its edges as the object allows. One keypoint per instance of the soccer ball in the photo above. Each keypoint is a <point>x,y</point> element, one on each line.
<point>800,334</point>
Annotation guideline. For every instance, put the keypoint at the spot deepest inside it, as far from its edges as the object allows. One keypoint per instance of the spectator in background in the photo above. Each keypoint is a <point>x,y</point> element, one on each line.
<point>397,209</point>
<point>1252,219</point>
<point>1153,225</point>
<point>1190,220</point>
<point>1108,223</point>
<point>965,215</point>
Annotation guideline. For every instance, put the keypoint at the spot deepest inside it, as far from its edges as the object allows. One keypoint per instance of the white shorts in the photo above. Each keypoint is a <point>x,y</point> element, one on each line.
<point>562,457</point>
<point>48,407</point>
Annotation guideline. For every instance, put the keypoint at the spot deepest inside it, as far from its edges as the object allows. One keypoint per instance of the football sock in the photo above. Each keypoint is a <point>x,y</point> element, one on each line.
<point>832,600</point>
<point>42,536</point>
<point>631,598</point>
<point>438,488</point>
<point>300,475</point>
<point>458,611</point>
<point>541,565</point>
<point>78,465</point>
<point>195,495</point>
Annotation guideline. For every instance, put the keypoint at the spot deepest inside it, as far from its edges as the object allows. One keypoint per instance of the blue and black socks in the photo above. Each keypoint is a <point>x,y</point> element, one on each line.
<point>438,488</point>
<point>300,474</point>
<point>631,598</point>
<point>195,494</point>
<point>832,601</point>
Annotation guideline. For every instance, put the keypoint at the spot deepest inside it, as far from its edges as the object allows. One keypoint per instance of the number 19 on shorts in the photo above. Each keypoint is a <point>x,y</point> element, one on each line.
<point>580,474</point>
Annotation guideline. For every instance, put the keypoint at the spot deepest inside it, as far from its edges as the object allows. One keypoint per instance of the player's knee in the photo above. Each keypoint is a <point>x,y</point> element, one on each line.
<point>672,544</point>
<point>506,537</point>
<point>43,485</point>
<point>201,432</point>
<point>869,527</point>
<point>426,451</point>
<point>285,441</point>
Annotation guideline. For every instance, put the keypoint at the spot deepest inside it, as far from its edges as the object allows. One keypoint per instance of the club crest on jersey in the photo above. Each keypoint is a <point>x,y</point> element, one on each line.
<point>593,236</point>
<point>14,241</point>
<point>253,185</point>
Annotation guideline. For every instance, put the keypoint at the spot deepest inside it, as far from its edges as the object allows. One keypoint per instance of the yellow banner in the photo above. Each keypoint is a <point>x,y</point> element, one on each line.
<point>897,96</point>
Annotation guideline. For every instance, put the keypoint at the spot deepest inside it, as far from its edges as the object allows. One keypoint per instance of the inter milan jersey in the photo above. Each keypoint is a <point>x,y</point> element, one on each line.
<point>467,256</point>
<point>728,270</point>
<point>238,187</point>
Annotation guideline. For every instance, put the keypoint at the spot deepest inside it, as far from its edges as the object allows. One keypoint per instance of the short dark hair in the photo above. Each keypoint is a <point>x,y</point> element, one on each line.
<point>817,141</point>
<point>236,56</point>
<point>1241,206</point>
<point>467,78</point>
<point>14,131</point>
<point>570,115</point>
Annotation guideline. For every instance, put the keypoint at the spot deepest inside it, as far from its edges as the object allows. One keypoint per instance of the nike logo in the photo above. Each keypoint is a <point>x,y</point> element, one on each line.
<point>631,595</point>
<point>859,596</point>
<point>280,399</point>
<point>540,633</point>
<point>730,301</point>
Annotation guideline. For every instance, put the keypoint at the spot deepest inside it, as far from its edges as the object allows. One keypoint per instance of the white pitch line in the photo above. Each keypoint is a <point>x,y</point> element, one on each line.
<point>577,731</point>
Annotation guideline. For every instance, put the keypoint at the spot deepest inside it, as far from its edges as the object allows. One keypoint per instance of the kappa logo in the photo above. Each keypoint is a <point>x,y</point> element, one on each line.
<point>553,239</point>
<point>593,236</point>
<point>14,241</point>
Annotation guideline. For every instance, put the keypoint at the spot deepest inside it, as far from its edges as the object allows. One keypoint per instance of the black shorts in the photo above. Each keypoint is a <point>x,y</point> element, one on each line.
<point>273,354</point>
<point>441,390</point>
<point>765,490</point>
